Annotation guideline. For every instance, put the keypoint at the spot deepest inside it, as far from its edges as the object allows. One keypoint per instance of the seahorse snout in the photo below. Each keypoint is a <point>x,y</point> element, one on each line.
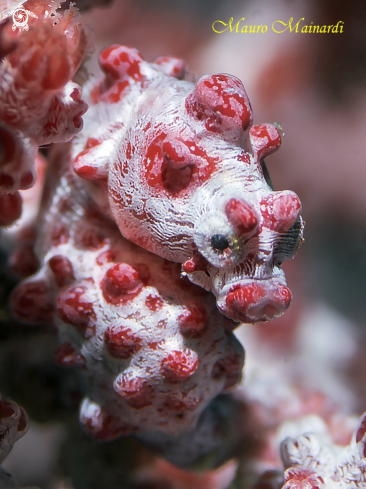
<point>256,302</point>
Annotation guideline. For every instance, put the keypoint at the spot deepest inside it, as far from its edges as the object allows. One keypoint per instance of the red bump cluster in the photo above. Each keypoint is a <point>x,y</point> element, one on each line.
<point>135,390</point>
<point>193,321</point>
<point>280,210</point>
<point>10,208</point>
<point>179,365</point>
<point>221,103</point>
<point>121,283</point>
<point>175,67</point>
<point>241,215</point>
<point>103,426</point>
<point>231,366</point>
<point>265,139</point>
<point>121,61</point>
<point>30,302</point>
<point>49,107</point>
<point>67,356</point>
<point>75,308</point>
<point>62,270</point>
<point>121,342</point>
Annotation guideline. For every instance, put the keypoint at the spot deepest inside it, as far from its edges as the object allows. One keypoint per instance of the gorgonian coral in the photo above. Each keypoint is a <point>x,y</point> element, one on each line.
<point>38,102</point>
<point>178,169</point>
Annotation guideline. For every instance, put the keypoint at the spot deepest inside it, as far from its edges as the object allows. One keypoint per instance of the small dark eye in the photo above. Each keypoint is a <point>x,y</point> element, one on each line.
<point>219,242</point>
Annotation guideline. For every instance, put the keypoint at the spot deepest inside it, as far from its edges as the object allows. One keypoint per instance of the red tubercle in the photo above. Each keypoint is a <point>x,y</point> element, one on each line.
<point>179,365</point>
<point>85,171</point>
<point>296,478</point>
<point>241,215</point>
<point>26,181</point>
<point>193,321</point>
<point>153,303</point>
<point>121,342</point>
<point>221,103</point>
<point>231,367</point>
<point>92,142</point>
<point>134,390</point>
<point>67,356</point>
<point>265,139</point>
<point>91,239</point>
<point>195,264</point>
<point>105,257</point>
<point>177,405</point>
<point>62,270</point>
<point>30,302</point>
<point>75,308</point>
<point>23,261</point>
<point>171,66</point>
<point>103,426</point>
<point>280,210</point>
<point>117,61</point>
<point>10,208</point>
<point>121,283</point>
<point>59,235</point>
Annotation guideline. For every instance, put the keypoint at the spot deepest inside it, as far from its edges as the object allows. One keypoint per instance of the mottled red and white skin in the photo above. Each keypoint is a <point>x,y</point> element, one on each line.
<point>187,180</point>
<point>39,104</point>
<point>314,462</point>
<point>153,347</point>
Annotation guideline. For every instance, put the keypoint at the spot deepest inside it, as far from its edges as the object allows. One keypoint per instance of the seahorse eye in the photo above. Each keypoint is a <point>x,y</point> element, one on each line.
<point>219,242</point>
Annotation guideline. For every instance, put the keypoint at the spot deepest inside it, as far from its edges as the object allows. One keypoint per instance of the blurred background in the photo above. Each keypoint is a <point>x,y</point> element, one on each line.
<point>314,85</point>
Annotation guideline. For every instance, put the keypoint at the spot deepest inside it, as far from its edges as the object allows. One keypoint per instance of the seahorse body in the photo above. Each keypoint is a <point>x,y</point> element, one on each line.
<point>185,179</point>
